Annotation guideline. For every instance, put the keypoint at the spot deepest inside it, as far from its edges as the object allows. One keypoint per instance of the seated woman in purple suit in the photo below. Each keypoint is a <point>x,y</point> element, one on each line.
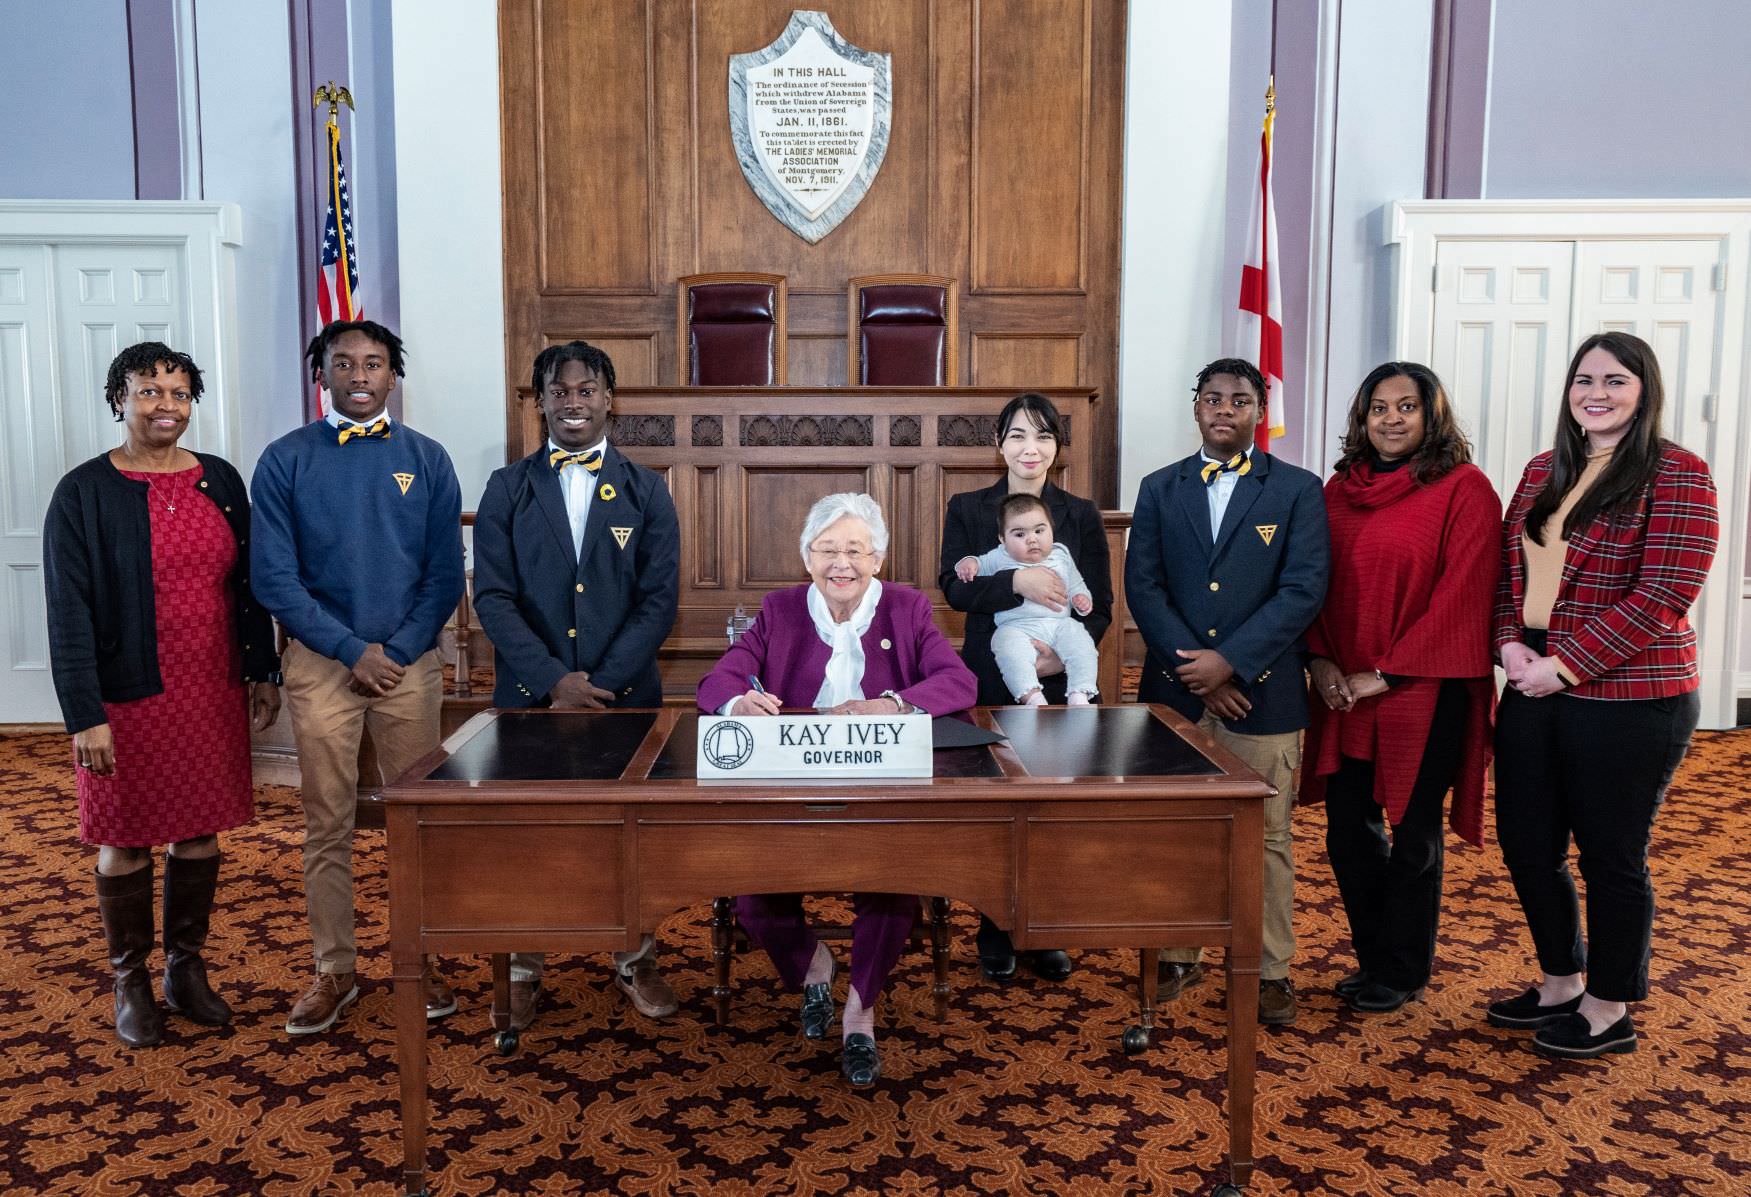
<point>846,645</point>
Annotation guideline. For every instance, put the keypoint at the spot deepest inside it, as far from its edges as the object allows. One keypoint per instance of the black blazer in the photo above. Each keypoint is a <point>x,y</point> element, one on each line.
<point>1252,592</point>
<point>97,572</point>
<point>549,611</point>
<point>970,528</point>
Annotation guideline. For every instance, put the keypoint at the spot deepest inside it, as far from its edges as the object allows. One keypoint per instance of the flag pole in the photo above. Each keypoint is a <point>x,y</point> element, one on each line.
<point>335,97</point>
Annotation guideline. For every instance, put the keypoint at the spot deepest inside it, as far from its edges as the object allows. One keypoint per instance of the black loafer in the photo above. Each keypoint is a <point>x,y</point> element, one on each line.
<point>1351,985</point>
<point>1375,998</point>
<point>817,1011</point>
<point>998,968</point>
<point>1524,1012</point>
<point>1177,977</point>
<point>1571,1037</point>
<point>860,1062</point>
<point>1048,965</point>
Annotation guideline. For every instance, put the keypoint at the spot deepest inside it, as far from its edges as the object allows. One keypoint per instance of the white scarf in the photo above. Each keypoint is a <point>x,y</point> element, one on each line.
<point>844,680</point>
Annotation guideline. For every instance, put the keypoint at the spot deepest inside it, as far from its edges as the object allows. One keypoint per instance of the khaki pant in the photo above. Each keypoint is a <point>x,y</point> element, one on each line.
<point>1273,758</point>
<point>328,720</point>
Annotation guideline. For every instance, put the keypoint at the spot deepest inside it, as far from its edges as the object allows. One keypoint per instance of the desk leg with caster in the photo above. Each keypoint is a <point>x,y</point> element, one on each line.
<point>1243,1026</point>
<point>505,1038</point>
<point>410,1028</point>
<point>1137,1038</point>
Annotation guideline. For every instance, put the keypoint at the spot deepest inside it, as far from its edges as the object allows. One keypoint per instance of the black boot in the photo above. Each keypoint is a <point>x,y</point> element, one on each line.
<point>188,901</point>
<point>125,903</point>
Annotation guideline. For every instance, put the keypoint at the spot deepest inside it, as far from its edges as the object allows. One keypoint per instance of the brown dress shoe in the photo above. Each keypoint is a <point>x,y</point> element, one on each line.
<point>1277,1006</point>
<point>1177,976</point>
<point>650,994</point>
<point>322,1003</point>
<point>525,998</point>
<point>439,999</point>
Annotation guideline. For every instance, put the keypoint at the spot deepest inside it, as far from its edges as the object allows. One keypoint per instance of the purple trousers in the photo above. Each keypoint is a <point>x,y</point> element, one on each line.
<point>878,936</point>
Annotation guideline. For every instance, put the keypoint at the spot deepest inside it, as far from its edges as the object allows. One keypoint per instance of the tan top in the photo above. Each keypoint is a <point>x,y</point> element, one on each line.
<point>1544,562</point>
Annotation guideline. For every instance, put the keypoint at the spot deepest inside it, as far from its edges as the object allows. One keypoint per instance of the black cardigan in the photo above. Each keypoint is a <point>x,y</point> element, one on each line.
<point>969,528</point>
<point>97,571</point>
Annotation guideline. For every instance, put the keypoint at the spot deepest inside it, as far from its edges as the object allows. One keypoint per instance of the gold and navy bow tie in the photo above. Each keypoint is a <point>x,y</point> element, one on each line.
<point>590,459</point>
<point>1239,464</point>
<point>376,431</point>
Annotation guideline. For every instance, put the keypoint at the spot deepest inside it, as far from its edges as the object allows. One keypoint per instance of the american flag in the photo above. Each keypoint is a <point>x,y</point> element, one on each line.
<point>337,279</point>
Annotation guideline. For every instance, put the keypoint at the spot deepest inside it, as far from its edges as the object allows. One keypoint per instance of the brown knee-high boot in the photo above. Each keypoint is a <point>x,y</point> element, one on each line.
<point>125,903</point>
<point>188,904</point>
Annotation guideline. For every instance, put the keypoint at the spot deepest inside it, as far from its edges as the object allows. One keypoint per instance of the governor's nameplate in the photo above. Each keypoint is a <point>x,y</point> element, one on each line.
<point>814,746</point>
<point>810,116</point>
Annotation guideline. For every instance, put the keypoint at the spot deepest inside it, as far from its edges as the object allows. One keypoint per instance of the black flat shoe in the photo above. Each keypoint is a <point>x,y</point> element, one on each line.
<point>1571,1037</point>
<point>1524,1012</point>
<point>1048,965</point>
<point>1351,985</point>
<point>1375,998</point>
<point>817,1011</point>
<point>998,968</point>
<point>860,1062</point>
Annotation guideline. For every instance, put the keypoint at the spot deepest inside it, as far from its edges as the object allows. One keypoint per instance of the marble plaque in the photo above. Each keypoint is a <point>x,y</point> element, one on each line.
<point>810,117</point>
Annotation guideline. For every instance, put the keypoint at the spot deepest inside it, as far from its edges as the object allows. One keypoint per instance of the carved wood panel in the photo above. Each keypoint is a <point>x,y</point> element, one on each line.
<point>1003,171</point>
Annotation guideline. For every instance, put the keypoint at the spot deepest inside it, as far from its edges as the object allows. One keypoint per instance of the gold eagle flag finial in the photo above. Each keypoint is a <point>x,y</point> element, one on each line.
<point>335,96</point>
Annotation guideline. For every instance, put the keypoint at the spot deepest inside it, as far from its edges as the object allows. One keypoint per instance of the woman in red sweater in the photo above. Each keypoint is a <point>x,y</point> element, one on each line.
<point>1606,546</point>
<point>1402,677</point>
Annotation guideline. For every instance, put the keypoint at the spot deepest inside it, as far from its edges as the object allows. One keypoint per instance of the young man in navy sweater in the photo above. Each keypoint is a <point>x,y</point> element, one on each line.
<point>358,554</point>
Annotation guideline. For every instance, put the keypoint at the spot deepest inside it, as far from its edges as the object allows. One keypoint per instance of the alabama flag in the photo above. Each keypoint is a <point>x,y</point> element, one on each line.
<point>1259,330</point>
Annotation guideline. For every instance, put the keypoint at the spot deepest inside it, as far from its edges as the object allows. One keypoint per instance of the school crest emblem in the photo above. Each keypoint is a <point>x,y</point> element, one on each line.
<point>621,535</point>
<point>403,481</point>
<point>1265,531</point>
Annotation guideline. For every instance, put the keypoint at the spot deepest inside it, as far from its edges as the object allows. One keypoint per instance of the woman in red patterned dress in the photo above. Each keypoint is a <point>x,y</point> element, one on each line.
<point>162,662</point>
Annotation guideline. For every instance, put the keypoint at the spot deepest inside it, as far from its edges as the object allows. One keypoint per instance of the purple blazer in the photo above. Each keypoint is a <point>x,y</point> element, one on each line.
<point>903,651</point>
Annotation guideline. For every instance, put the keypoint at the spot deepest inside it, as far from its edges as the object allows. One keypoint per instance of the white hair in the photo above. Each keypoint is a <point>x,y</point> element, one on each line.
<point>833,508</point>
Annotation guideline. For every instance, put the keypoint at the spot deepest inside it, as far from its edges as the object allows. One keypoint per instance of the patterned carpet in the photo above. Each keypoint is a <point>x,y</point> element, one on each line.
<point>1021,1091</point>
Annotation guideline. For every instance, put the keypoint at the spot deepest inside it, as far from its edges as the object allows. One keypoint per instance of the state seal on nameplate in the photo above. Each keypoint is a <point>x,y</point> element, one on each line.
<point>810,117</point>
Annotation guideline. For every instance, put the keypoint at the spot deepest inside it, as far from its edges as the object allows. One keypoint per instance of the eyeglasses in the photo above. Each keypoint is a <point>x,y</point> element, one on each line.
<point>855,556</point>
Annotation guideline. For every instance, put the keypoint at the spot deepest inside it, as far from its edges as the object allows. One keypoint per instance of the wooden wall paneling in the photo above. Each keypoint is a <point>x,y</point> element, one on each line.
<point>1030,126</point>
<point>776,498</point>
<point>1025,360</point>
<point>1004,171</point>
<point>704,536</point>
<point>594,160</point>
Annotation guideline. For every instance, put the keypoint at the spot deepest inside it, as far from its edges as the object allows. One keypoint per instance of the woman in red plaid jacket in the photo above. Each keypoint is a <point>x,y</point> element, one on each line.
<point>1605,548</point>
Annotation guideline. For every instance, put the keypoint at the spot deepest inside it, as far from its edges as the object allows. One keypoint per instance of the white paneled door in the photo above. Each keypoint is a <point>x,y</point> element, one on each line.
<point>1501,342</point>
<point>78,283</point>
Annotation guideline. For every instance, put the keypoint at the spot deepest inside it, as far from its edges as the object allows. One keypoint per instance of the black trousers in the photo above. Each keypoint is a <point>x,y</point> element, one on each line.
<point>1596,771</point>
<point>1391,887</point>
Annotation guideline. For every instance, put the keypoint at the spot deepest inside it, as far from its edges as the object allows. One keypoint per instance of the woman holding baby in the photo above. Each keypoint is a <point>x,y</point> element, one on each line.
<point>1029,434</point>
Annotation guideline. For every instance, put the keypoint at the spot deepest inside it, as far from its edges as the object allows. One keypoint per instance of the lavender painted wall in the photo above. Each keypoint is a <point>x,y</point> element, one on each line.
<point>68,121</point>
<point>1619,98</point>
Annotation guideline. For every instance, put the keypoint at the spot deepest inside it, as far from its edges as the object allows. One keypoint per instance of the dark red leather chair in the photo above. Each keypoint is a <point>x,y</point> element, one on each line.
<point>903,331</point>
<point>731,329</point>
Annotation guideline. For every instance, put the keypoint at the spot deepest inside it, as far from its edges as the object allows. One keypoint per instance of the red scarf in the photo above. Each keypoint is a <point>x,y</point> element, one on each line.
<point>1413,580</point>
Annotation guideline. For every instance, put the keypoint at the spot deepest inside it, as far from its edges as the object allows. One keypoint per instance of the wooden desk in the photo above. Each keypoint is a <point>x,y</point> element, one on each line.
<point>569,831</point>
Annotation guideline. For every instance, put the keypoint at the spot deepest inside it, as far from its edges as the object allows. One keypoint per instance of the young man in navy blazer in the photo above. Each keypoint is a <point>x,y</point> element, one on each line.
<point>576,580</point>
<point>1225,571</point>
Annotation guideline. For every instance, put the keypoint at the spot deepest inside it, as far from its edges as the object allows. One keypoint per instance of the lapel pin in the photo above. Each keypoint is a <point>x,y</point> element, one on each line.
<point>1265,531</point>
<point>621,535</point>
<point>606,491</point>
<point>886,643</point>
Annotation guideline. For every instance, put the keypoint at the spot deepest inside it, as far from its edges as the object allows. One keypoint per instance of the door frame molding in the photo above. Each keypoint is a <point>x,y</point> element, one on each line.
<point>1415,228</point>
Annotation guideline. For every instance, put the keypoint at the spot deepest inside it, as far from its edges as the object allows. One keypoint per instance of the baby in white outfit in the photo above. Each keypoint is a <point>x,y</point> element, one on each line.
<point>1026,542</point>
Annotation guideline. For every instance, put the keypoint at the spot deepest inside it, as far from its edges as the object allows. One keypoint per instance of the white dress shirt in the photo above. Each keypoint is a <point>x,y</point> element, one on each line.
<point>1220,491</point>
<point>337,420</point>
<point>578,485</point>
